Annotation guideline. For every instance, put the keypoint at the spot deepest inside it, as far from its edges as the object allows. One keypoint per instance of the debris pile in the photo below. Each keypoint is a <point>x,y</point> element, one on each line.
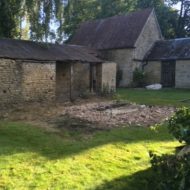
<point>116,114</point>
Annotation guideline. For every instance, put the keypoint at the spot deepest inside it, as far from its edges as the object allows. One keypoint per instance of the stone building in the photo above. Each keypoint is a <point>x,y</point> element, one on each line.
<point>122,39</point>
<point>31,71</point>
<point>168,63</point>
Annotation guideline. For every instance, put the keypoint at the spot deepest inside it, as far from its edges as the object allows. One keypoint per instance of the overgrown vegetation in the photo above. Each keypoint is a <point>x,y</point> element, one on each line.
<point>139,78</point>
<point>179,125</point>
<point>173,172</point>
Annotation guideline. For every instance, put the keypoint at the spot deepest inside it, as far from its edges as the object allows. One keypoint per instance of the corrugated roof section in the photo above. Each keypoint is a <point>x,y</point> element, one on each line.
<point>21,49</point>
<point>177,49</point>
<point>112,33</point>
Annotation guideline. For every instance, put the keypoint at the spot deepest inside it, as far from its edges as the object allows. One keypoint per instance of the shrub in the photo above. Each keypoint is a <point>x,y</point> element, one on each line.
<point>179,125</point>
<point>139,78</point>
<point>170,172</point>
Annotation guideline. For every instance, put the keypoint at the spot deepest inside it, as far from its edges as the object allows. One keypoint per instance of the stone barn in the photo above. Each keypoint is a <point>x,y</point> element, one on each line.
<point>124,39</point>
<point>168,63</point>
<point>31,72</point>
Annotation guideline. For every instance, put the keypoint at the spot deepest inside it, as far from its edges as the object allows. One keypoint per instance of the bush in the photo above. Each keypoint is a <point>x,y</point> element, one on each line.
<point>170,172</point>
<point>139,78</point>
<point>179,125</point>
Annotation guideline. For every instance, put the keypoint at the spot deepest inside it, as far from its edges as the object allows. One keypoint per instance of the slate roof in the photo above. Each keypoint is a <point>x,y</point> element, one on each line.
<point>112,33</point>
<point>177,49</point>
<point>28,50</point>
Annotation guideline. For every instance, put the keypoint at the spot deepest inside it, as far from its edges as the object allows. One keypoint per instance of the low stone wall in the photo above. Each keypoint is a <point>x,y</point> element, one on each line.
<point>182,74</point>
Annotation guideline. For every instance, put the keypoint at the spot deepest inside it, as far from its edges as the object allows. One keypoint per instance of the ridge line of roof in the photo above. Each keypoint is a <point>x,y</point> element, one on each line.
<point>119,15</point>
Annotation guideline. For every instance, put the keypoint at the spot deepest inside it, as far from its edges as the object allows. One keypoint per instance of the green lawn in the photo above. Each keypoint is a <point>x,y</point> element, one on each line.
<point>151,97</point>
<point>31,158</point>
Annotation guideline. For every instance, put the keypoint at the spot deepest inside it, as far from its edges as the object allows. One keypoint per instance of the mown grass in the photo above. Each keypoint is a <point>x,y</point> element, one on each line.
<point>31,158</point>
<point>174,97</point>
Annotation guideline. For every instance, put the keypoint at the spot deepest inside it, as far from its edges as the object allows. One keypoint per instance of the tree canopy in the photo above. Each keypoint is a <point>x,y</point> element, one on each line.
<point>44,20</point>
<point>38,14</point>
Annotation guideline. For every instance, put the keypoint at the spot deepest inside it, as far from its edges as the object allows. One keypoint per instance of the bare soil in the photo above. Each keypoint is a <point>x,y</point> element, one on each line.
<point>89,116</point>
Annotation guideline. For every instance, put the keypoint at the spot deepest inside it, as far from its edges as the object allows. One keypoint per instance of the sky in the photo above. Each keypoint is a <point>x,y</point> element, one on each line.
<point>177,6</point>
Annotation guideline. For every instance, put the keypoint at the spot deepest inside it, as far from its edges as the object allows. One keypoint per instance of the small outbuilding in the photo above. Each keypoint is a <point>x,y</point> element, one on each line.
<point>168,63</point>
<point>32,71</point>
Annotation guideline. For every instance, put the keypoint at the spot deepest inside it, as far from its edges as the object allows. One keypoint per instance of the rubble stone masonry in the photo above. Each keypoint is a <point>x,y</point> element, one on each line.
<point>22,81</point>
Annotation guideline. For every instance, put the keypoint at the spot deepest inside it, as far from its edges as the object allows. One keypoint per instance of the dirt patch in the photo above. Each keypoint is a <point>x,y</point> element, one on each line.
<point>90,116</point>
<point>111,114</point>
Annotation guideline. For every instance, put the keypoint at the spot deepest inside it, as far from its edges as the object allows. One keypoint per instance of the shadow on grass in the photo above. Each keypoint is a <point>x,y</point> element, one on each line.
<point>19,138</point>
<point>140,180</point>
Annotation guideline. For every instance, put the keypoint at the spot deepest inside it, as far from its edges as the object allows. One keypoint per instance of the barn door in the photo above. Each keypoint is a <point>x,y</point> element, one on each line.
<point>168,73</point>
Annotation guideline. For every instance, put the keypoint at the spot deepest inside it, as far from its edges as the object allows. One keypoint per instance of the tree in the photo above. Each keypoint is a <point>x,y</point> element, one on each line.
<point>183,29</point>
<point>183,23</point>
<point>77,12</point>
<point>37,13</point>
<point>9,11</point>
<point>167,16</point>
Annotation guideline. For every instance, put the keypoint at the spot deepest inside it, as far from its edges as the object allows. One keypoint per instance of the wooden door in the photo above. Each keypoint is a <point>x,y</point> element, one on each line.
<point>168,73</point>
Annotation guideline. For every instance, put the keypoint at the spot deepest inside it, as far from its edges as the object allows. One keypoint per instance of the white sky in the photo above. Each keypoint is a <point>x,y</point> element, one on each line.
<point>177,6</point>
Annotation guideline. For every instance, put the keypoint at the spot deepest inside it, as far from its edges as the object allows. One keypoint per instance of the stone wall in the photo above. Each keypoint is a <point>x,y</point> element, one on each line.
<point>38,81</point>
<point>10,82</point>
<point>129,59</point>
<point>124,59</point>
<point>109,76</point>
<point>153,71</point>
<point>149,35</point>
<point>22,81</point>
<point>182,74</point>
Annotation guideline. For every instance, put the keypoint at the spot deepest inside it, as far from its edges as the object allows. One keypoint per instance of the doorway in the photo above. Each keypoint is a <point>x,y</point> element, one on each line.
<point>93,78</point>
<point>168,73</point>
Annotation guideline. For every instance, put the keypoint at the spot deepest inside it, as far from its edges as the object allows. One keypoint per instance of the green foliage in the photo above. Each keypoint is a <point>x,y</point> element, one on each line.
<point>170,172</point>
<point>80,11</point>
<point>40,14</point>
<point>173,172</point>
<point>77,12</point>
<point>36,13</point>
<point>167,16</point>
<point>139,78</point>
<point>179,125</point>
<point>9,10</point>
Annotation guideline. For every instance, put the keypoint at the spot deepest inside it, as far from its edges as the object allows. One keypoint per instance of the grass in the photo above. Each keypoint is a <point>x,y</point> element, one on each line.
<point>31,158</point>
<point>172,97</point>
